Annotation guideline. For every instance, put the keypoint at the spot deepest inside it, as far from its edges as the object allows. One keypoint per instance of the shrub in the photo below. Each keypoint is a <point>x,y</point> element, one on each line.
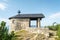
<point>4,35</point>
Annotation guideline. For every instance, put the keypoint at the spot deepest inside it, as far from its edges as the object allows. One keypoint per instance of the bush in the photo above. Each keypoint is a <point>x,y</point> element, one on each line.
<point>4,35</point>
<point>54,28</point>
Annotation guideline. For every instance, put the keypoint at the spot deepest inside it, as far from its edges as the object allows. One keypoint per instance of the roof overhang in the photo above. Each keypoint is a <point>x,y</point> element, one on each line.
<point>27,16</point>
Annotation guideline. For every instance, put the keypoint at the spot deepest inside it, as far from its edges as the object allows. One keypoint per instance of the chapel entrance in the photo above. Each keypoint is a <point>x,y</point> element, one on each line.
<point>34,22</point>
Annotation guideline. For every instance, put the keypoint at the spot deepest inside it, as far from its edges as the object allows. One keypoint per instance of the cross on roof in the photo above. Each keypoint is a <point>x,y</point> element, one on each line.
<point>19,11</point>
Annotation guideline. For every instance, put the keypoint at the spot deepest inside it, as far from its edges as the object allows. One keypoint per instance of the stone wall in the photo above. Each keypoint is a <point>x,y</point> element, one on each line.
<point>17,24</point>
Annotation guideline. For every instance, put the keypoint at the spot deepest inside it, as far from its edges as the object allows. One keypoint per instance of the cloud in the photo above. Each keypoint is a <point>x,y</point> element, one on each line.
<point>3,6</point>
<point>50,19</point>
<point>4,19</point>
<point>54,16</point>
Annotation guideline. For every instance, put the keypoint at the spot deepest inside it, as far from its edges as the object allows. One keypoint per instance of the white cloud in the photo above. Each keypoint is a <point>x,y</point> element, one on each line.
<point>50,19</point>
<point>4,19</point>
<point>3,6</point>
<point>55,15</point>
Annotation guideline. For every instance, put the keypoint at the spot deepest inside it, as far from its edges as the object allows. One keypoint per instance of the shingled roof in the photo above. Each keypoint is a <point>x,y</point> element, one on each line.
<point>28,16</point>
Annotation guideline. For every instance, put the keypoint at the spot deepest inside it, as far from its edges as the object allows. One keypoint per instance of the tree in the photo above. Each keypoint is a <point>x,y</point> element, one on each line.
<point>4,35</point>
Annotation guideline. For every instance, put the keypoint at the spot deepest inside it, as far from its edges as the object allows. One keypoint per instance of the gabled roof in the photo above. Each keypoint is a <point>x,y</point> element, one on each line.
<point>28,16</point>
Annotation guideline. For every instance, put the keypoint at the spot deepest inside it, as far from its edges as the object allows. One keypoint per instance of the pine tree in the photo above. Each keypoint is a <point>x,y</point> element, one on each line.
<point>4,35</point>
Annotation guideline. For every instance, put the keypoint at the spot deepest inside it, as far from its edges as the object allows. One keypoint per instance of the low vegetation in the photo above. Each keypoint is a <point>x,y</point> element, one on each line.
<point>55,28</point>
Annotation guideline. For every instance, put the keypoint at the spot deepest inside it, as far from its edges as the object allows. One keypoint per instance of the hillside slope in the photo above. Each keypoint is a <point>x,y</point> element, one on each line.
<point>25,35</point>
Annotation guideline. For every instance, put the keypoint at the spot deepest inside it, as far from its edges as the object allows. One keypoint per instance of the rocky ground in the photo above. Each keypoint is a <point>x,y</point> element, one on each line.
<point>25,35</point>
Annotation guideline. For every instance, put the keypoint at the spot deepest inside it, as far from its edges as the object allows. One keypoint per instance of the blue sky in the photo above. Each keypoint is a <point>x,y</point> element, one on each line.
<point>50,8</point>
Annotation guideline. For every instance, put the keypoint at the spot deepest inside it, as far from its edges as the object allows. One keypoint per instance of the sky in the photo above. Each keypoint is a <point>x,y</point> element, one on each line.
<point>50,9</point>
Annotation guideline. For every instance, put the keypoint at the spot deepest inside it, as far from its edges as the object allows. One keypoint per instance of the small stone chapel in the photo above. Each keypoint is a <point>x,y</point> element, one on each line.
<point>23,21</point>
